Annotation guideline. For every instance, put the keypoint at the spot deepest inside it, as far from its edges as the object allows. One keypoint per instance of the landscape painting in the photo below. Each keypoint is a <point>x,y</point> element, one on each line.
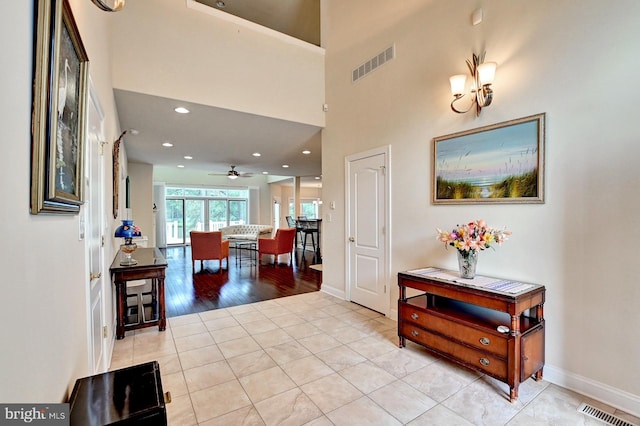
<point>501,163</point>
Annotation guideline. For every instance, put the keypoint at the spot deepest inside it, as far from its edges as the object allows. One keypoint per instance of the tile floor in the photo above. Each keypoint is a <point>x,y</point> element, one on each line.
<point>318,360</point>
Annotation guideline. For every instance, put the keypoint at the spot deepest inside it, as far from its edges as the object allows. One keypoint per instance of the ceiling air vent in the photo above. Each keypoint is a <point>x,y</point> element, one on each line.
<point>373,63</point>
<point>603,416</point>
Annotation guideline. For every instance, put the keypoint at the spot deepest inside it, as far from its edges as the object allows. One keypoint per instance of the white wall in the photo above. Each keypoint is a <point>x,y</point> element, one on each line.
<point>196,56</point>
<point>577,63</point>
<point>44,282</point>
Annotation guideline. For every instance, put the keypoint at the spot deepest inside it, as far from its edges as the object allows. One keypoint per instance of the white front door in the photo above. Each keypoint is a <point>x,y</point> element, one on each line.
<point>367,253</point>
<point>97,276</point>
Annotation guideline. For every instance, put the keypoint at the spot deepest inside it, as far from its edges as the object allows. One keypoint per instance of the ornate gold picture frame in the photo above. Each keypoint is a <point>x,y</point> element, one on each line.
<point>58,124</point>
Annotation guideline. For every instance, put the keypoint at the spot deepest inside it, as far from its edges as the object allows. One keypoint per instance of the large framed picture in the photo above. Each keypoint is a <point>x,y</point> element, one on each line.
<point>58,116</point>
<point>500,163</point>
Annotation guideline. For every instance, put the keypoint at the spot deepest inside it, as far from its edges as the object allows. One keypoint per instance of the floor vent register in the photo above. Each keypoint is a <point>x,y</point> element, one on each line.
<point>603,416</point>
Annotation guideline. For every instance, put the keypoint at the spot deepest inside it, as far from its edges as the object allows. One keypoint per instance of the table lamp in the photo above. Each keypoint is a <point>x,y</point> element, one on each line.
<point>127,231</point>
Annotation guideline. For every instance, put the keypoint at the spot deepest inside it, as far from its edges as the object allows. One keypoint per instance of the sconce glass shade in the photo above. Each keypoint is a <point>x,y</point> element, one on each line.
<point>486,72</point>
<point>457,84</point>
<point>482,75</point>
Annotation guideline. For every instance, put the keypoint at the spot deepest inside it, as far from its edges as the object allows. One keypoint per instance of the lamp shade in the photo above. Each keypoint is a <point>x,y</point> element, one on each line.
<point>457,84</point>
<point>486,72</point>
<point>125,230</point>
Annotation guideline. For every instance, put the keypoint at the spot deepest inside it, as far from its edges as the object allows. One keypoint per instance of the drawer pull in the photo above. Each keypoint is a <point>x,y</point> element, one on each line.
<point>484,362</point>
<point>485,341</point>
<point>414,333</point>
<point>414,316</point>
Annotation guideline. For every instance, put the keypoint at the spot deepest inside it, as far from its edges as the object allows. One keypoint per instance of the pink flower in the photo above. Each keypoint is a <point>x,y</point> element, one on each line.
<point>472,236</point>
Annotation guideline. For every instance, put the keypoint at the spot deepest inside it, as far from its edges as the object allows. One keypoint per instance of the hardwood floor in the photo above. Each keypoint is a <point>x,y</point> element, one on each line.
<point>186,292</point>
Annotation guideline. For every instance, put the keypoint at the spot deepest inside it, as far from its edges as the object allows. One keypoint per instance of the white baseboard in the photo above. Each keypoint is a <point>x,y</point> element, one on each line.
<point>333,291</point>
<point>393,314</point>
<point>617,398</point>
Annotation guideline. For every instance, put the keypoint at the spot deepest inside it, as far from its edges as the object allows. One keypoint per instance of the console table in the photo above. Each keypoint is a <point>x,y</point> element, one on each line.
<point>489,325</point>
<point>151,265</point>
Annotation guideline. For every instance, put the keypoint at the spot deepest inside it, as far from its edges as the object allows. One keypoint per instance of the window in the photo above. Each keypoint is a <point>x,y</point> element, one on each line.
<point>308,208</point>
<point>203,209</point>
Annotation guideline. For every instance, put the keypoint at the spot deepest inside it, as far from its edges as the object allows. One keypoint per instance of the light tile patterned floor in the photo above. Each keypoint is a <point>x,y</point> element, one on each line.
<point>318,360</point>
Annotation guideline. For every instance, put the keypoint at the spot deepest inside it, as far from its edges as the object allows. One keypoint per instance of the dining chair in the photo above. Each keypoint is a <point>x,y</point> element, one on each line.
<point>291,223</point>
<point>308,227</point>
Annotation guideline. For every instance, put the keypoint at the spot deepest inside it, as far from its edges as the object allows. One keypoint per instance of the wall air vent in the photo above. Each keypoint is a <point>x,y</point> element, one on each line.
<point>373,63</point>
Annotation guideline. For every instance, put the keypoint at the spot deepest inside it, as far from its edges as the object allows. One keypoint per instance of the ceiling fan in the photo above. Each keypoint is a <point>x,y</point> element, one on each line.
<point>232,174</point>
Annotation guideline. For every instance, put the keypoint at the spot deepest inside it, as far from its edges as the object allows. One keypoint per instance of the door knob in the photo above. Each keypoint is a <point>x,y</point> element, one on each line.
<point>93,276</point>
<point>351,239</point>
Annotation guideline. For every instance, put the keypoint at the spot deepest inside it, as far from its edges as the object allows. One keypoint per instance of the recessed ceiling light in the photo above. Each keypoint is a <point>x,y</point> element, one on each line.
<point>256,154</point>
<point>134,132</point>
<point>181,110</point>
<point>188,157</point>
<point>180,166</point>
<point>317,177</point>
<point>306,152</point>
<point>220,4</point>
<point>167,144</point>
<point>285,166</point>
<point>265,173</point>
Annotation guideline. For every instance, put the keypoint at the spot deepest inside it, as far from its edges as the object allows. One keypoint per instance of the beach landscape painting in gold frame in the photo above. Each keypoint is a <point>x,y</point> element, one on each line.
<point>500,163</point>
<point>58,116</point>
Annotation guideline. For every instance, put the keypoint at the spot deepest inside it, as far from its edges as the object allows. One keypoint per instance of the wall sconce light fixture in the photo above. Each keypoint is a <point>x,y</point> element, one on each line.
<point>482,75</point>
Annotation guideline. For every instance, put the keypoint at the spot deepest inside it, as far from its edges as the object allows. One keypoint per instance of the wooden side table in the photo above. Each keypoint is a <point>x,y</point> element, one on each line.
<point>489,330</point>
<point>151,265</point>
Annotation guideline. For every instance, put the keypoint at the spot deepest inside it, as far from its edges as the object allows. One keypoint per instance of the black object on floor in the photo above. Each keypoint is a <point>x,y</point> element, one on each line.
<point>129,396</point>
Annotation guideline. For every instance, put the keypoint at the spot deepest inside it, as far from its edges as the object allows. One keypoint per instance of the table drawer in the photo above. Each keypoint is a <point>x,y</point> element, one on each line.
<point>479,360</point>
<point>476,337</point>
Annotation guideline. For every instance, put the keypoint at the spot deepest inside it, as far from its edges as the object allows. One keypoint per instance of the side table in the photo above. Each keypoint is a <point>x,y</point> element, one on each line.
<point>151,265</point>
<point>250,249</point>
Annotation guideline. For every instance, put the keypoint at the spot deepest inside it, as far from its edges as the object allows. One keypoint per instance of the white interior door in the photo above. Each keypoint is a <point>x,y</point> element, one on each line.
<point>94,221</point>
<point>367,253</point>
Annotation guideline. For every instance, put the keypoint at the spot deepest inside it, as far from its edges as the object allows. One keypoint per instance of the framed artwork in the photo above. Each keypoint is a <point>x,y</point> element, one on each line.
<point>500,163</point>
<point>116,174</point>
<point>58,116</point>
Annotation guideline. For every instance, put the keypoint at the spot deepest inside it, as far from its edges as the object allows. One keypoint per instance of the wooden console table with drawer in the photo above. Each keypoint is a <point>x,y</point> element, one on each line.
<point>151,265</point>
<point>497,332</point>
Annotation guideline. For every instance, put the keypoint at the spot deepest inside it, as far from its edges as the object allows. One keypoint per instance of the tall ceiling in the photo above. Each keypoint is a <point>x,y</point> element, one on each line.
<point>217,138</point>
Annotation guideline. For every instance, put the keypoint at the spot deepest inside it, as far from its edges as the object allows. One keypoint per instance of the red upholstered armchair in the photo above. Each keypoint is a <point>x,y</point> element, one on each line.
<point>208,246</point>
<point>282,243</point>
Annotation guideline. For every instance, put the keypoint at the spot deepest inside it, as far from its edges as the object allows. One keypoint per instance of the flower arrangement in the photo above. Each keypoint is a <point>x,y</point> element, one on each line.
<point>473,236</point>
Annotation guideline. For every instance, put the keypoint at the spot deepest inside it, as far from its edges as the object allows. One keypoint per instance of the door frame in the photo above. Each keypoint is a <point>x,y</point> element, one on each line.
<point>89,217</point>
<point>386,150</point>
